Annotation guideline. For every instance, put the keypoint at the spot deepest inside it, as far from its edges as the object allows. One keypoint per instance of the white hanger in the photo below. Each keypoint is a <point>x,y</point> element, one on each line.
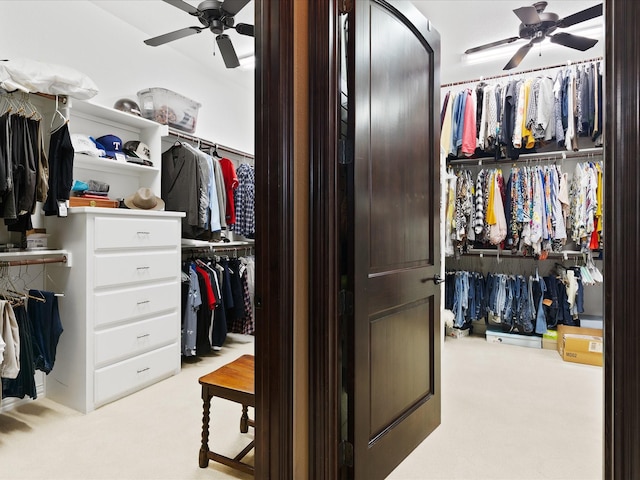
<point>57,114</point>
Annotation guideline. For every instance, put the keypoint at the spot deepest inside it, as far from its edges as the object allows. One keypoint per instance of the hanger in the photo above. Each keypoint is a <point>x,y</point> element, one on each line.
<point>214,151</point>
<point>58,115</point>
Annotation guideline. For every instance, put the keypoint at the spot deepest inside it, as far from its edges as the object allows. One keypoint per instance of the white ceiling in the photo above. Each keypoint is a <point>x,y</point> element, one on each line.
<point>155,17</point>
<point>462,24</point>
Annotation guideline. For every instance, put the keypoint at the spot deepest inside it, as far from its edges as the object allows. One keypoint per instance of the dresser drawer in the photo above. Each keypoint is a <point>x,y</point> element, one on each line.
<point>135,267</point>
<point>132,339</point>
<point>130,375</point>
<point>116,306</point>
<point>136,233</point>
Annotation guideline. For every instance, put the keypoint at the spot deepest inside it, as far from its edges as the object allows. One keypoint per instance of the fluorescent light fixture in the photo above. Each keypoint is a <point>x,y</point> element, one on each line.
<point>504,52</point>
<point>247,62</point>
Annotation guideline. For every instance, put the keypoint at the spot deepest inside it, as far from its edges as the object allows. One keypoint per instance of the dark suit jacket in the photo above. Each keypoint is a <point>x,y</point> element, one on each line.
<point>181,187</point>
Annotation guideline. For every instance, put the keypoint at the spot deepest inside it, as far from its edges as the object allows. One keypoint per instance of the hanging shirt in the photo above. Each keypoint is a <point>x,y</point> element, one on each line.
<point>230,184</point>
<point>60,169</point>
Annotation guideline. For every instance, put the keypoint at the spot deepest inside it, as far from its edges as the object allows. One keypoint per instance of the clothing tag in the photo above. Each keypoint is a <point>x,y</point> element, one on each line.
<point>547,301</point>
<point>62,208</point>
<point>120,157</point>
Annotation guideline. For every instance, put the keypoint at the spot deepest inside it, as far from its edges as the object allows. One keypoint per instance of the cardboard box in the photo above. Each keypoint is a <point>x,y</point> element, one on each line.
<point>37,239</point>
<point>514,339</point>
<point>580,345</point>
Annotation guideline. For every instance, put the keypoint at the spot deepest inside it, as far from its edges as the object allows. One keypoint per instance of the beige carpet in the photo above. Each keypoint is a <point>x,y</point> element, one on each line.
<point>508,413</point>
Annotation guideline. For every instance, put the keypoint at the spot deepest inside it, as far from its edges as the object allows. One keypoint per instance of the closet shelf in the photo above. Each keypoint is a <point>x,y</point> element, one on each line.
<point>528,157</point>
<point>507,253</point>
<point>111,166</point>
<point>203,244</point>
<point>200,246</point>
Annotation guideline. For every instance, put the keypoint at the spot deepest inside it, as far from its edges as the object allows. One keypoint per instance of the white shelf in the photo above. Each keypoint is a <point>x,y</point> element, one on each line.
<point>111,166</point>
<point>116,116</point>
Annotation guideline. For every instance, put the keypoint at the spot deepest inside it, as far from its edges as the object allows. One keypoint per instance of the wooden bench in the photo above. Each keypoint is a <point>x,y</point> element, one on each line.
<point>233,381</point>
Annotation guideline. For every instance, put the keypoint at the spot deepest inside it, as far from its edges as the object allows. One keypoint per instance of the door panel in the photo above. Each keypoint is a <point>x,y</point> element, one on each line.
<point>394,399</point>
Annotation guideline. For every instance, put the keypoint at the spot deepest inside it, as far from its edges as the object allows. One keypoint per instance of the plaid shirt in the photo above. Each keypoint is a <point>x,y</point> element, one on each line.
<point>244,199</point>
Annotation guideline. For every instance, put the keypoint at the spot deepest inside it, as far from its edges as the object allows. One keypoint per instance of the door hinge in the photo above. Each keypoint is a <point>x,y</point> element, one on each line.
<point>345,152</point>
<point>345,6</point>
<point>345,303</point>
<point>346,454</point>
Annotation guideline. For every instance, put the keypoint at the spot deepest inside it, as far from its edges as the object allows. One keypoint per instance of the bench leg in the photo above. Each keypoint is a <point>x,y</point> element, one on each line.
<point>244,420</point>
<point>204,448</point>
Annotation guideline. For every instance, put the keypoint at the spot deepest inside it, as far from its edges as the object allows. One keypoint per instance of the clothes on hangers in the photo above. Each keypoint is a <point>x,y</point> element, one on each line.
<point>536,211</point>
<point>9,332</point>
<point>515,303</point>
<point>47,328</point>
<point>245,201</point>
<point>24,383</point>
<point>230,184</point>
<point>513,115</point>
<point>217,298</point>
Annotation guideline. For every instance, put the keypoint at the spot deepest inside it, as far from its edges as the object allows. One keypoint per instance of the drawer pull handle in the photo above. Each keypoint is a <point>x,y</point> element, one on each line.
<point>143,336</point>
<point>143,370</point>
<point>144,233</point>
<point>142,268</point>
<point>143,302</point>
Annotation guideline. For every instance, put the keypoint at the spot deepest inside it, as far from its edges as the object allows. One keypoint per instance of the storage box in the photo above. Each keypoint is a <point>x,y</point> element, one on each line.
<point>37,239</point>
<point>580,345</point>
<point>479,327</point>
<point>591,321</point>
<point>93,202</point>
<point>456,332</point>
<point>169,108</point>
<point>550,340</point>
<point>514,339</point>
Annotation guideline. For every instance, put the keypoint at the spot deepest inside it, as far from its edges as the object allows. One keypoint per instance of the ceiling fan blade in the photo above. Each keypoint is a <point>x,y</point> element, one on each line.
<point>244,29</point>
<point>183,6</point>
<point>171,36</point>
<point>233,6</point>
<point>573,41</point>
<point>491,45</point>
<point>583,16</point>
<point>528,15</point>
<point>517,58</point>
<point>227,51</point>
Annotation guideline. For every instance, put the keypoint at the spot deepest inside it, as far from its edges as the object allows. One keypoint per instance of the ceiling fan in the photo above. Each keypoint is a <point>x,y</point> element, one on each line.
<point>215,16</point>
<point>537,25</point>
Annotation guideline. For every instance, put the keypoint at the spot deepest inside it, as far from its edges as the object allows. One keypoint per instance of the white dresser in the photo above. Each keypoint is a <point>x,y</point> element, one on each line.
<point>121,310</point>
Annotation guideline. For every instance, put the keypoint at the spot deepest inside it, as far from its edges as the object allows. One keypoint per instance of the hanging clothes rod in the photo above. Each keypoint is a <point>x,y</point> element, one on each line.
<point>506,75</point>
<point>207,143</point>
<point>528,157</point>
<point>61,98</point>
<point>33,261</point>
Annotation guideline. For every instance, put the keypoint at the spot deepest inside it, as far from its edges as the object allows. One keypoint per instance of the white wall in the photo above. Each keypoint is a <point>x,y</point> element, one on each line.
<point>111,52</point>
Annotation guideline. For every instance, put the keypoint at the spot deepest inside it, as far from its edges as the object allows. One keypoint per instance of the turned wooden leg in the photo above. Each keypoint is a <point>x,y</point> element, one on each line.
<point>244,420</point>
<point>204,448</point>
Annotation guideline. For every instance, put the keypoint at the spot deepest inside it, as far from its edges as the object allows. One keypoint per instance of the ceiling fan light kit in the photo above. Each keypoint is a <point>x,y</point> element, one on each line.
<point>216,17</point>
<point>537,25</point>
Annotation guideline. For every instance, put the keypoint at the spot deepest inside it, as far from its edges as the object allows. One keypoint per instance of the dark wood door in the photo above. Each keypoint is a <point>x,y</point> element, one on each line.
<point>394,392</point>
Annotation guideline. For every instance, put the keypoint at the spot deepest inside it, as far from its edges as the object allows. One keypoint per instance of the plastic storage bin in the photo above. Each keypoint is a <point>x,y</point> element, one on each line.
<point>169,108</point>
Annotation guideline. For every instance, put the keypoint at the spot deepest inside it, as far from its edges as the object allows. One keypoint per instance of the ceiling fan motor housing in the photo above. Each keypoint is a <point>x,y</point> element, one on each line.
<point>548,24</point>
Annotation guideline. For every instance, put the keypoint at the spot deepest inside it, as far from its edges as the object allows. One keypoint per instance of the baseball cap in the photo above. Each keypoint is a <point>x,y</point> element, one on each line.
<point>84,144</point>
<point>111,145</point>
<point>137,149</point>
